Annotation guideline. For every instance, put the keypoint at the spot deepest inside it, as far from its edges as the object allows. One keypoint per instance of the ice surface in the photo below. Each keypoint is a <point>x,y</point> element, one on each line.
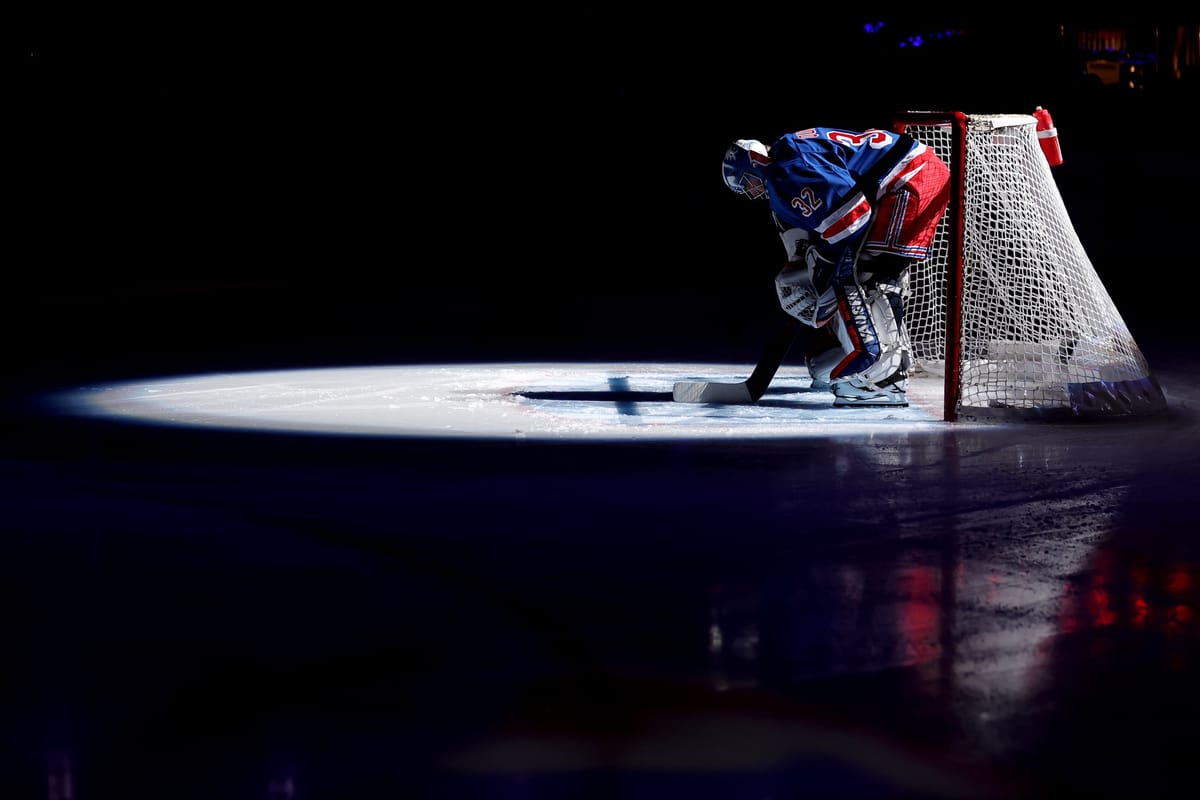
<point>618,401</point>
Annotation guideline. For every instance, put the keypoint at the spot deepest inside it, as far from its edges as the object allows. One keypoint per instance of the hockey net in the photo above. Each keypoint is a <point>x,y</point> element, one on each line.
<point>1008,310</point>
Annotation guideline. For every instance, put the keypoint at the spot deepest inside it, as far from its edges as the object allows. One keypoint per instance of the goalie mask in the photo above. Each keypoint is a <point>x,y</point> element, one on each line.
<point>742,169</point>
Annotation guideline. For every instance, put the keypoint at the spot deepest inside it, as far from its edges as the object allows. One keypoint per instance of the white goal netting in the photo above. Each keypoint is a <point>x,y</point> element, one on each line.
<point>1039,335</point>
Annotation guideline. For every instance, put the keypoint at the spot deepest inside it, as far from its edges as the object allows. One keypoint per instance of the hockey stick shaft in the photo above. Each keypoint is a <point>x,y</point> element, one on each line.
<point>754,387</point>
<point>751,389</point>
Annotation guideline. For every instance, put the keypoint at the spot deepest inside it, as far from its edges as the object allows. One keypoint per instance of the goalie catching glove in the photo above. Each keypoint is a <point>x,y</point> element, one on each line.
<point>806,289</point>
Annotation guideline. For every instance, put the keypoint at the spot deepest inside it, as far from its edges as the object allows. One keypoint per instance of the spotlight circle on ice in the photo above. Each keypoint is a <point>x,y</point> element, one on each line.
<point>552,401</point>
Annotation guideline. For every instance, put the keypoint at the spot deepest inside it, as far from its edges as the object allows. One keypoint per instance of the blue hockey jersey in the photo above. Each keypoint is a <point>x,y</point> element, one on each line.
<point>826,181</point>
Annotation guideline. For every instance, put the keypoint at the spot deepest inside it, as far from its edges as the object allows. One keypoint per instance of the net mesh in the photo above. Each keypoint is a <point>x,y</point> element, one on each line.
<point>1039,332</point>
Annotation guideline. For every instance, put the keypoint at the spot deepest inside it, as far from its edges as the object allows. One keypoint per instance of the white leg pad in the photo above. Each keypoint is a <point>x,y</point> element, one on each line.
<point>873,344</point>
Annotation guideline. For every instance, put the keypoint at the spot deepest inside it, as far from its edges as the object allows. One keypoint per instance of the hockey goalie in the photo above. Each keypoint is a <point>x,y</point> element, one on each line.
<point>855,211</point>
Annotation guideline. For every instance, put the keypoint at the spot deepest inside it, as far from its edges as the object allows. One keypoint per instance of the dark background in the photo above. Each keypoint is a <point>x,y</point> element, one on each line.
<point>222,187</point>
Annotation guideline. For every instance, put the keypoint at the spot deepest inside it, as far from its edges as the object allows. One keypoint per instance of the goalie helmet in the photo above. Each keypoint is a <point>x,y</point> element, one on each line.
<point>743,165</point>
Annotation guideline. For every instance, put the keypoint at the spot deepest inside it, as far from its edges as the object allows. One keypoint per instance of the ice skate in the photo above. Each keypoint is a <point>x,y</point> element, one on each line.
<point>859,392</point>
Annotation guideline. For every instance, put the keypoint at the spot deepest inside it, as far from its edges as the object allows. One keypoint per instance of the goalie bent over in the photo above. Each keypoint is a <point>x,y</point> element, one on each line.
<point>855,211</point>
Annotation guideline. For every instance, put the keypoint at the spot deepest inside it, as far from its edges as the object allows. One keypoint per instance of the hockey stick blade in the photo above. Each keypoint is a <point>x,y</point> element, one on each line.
<point>706,392</point>
<point>749,390</point>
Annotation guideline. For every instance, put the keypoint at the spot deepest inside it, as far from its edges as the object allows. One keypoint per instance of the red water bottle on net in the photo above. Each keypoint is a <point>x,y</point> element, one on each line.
<point>1048,137</point>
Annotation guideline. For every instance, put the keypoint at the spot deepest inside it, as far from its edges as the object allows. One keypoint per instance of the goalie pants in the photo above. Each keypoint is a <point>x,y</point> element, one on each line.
<point>866,337</point>
<point>906,218</point>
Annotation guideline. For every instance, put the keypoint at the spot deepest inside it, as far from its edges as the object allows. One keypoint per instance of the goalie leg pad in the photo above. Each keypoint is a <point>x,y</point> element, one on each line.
<point>871,333</point>
<point>822,356</point>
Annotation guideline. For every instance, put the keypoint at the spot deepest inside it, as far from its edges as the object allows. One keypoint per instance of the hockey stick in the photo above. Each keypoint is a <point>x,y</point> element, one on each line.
<point>751,389</point>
